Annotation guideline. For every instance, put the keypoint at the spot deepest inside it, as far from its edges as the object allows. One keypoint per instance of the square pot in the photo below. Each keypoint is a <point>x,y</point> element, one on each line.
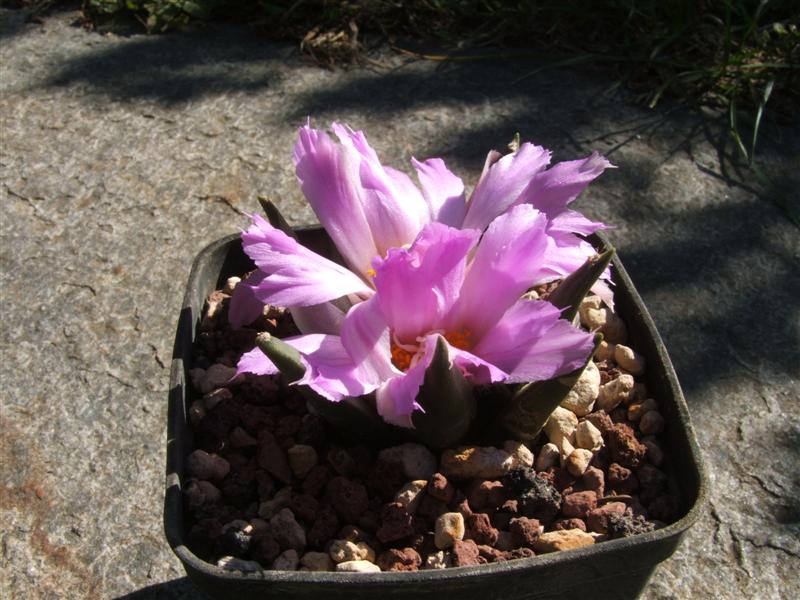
<point>614,569</point>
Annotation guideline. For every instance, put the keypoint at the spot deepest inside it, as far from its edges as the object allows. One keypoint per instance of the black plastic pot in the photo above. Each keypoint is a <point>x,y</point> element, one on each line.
<point>614,569</point>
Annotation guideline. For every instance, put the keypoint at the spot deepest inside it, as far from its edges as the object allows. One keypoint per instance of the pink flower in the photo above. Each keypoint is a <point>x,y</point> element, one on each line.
<point>369,209</point>
<point>445,285</point>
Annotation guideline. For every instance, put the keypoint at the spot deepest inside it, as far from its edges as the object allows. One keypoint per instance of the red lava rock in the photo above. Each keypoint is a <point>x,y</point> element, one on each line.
<point>479,528</point>
<point>273,458</point>
<point>304,506</point>
<point>519,553</point>
<point>349,498</point>
<point>525,530</point>
<point>483,494</point>
<point>564,524</point>
<point>595,481</point>
<point>323,529</point>
<point>316,480</point>
<point>491,554</point>
<point>578,504</point>
<point>562,479</point>
<point>597,519</point>
<point>625,448</point>
<point>395,559</point>
<point>385,479</point>
<point>622,480</point>
<point>602,421</point>
<point>396,523</point>
<point>440,489</point>
<point>465,553</point>
<point>431,508</point>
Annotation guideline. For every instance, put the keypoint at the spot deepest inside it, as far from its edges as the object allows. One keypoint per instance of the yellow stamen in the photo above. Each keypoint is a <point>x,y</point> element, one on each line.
<point>371,272</point>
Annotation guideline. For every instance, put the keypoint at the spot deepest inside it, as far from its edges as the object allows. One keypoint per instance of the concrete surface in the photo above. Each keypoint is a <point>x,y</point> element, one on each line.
<point>123,156</point>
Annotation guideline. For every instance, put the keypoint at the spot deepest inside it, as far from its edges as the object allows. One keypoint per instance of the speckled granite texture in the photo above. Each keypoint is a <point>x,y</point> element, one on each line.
<point>123,156</point>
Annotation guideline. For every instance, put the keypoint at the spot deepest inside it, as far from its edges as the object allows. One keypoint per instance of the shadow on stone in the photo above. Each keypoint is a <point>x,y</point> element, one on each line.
<point>177,589</point>
<point>176,68</point>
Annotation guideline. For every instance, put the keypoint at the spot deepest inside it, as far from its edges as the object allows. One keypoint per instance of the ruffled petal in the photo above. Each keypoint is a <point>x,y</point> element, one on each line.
<point>550,191</point>
<point>330,371</point>
<point>296,276</point>
<point>244,307</point>
<point>475,369</point>
<point>418,286</point>
<point>330,180</point>
<point>507,262</point>
<point>502,182</point>
<point>443,191</point>
<point>393,206</point>
<point>532,343</point>
<point>396,399</point>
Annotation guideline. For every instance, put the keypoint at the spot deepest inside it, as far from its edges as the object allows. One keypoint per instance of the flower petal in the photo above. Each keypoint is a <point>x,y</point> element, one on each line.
<point>477,370</point>
<point>296,275</point>
<point>550,191</point>
<point>365,335</point>
<point>329,177</point>
<point>443,191</point>
<point>502,182</point>
<point>244,307</point>
<point>418,286</point>
<point>532,343</point>
<point>506,263</point>
<point>393,206</point>
<point>330,371</point>
<point>396,399</point>
<point>574,222</point>
<point>320,318</point>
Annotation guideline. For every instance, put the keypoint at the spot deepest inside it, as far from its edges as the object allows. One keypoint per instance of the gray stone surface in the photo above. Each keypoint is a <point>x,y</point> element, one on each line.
<point>123,156</point>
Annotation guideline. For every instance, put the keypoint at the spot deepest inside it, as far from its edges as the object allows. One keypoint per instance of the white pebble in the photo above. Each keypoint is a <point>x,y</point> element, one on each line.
<point>345,550</point>
<point>615,392</point>
<point>561,425</point>
<point>578,461</point>
<point>410,495</point>
<point>439,560</point>
<point>358,566</point>
<point>230,285</point>
<point>588,436</point>
<point>580,399</point>
<point>628,359</point>
<point>548,457</point>
<point>521,455</point>
<point>449,528</point>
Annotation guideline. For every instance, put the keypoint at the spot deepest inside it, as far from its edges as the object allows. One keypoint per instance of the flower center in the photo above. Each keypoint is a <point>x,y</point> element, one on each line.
<point>405,356</point>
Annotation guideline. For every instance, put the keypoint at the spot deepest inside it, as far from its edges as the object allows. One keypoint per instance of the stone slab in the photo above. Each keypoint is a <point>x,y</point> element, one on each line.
<point>123,156</point>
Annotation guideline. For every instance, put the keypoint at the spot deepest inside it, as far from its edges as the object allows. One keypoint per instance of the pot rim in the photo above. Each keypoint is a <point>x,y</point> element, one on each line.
<point>173,508</point>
